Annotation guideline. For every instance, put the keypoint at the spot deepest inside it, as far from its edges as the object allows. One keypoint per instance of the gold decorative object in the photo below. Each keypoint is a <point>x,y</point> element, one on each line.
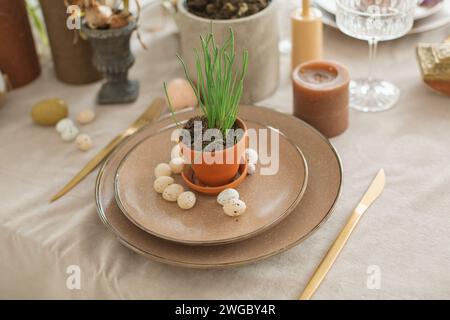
<point>434,61</point>
<point>374,191</point>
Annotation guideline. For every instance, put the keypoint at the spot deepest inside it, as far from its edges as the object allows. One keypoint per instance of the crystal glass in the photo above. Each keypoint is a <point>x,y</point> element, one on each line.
<point>374,21</point>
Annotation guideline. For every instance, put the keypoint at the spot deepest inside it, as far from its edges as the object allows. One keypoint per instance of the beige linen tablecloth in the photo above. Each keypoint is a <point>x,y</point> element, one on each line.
<point>404,238</point>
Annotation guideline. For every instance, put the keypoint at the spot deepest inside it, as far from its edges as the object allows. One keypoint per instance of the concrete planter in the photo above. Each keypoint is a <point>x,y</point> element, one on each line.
<point>257,33</point>
<point>113,58</point>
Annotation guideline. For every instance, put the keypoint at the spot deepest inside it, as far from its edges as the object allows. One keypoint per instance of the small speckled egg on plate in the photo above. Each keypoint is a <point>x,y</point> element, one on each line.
<point>227,195</point>
<point>162,169</point>
<point>176,152</point>
<point>251,156</point>
<point>234,208</point>
<point>172,192</point>
<point>186,200</point>
<point>176,165</point>
<point>251,168</point>
<point>162,183</point>
<point>181,94</point>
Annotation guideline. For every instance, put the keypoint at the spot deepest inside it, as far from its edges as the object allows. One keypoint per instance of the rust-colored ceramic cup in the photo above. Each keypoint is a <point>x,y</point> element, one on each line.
<point>217,168</point>
<point>18,57</point>
<point>321,96</point>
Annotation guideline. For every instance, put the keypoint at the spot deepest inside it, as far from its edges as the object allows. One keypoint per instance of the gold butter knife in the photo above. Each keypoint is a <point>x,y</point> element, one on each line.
<point>374,191</point>
<point>148,116</point>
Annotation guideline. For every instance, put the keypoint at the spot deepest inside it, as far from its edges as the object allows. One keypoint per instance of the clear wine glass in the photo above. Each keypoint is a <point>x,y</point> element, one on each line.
<point>374,21</point>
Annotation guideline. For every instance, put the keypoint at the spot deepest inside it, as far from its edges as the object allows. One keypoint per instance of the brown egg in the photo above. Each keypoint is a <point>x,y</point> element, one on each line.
<point>181,94</point>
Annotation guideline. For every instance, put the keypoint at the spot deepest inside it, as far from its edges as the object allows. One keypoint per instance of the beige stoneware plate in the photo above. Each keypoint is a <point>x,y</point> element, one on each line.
<point>269,198</point>
<point>324,185</point>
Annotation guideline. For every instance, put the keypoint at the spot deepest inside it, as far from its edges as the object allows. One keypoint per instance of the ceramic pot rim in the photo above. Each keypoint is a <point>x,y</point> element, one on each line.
<point>182,9</point>
<point>241,125</point>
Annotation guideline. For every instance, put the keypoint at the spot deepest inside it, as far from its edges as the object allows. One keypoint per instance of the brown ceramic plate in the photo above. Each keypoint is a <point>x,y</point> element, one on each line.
<point>269,198</point>
<point>324,185</point>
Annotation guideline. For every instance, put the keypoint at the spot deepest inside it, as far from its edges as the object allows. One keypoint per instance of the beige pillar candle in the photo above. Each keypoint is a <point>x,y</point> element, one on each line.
<point>307,35</point>
<point>321,96</point>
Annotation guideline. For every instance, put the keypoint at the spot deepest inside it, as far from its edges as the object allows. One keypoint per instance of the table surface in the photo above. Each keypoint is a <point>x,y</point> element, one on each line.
<point>403,238</point>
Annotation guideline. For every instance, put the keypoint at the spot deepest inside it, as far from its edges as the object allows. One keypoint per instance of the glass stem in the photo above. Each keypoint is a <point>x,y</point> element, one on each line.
<point>373,44</point>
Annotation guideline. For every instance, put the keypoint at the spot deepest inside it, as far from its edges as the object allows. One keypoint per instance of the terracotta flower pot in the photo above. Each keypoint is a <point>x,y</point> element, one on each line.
<point>226,166</point>
<point>257,33</point>
<point>18,57</point>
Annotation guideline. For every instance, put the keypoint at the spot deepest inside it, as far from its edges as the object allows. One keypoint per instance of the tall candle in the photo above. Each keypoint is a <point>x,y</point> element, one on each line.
<point>307,38</point>
<point>321,95</point>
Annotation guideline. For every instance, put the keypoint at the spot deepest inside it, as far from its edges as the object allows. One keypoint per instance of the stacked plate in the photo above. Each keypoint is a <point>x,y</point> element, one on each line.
<point>282,208</point>
<point>435,15</point>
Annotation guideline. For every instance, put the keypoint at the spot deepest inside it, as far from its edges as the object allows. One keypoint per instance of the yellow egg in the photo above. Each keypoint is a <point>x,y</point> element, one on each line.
<point>181,94</point>
<point>49,112</point>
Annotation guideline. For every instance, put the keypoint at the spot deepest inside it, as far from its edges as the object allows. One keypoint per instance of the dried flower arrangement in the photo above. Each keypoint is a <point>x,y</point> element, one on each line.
<point>106,14</point>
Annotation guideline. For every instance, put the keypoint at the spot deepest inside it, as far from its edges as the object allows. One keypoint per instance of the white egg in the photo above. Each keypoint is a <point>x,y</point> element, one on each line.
<point>63,124</point>
<point>84,142</point>
<point>176,152</point>
<point>234,208</point>
<point>186,200</point>
<point>162,183</point>
<point>163,169</point>
<point>69,133</point>
<point>172,192</point>
<point>251,156</point>
<point>251,168</point>
<point>227,195</point>
<point>85,116</point>
<point>175,135</point>
<point>176,165</point>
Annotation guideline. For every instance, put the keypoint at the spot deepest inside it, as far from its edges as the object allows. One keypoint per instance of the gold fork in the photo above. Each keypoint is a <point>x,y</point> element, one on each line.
<point>148,116</point>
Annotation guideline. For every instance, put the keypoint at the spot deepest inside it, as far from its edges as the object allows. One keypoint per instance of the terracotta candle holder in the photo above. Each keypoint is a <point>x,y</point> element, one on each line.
<point>321,95</point>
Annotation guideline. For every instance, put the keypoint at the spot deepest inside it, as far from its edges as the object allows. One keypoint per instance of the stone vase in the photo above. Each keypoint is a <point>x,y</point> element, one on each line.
<point>113,58</point>
<point>257,33</point>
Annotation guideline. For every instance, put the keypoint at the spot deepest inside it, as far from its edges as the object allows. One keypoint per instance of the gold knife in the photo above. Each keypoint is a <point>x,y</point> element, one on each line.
<point>374,191</point>
<point>148,116</point>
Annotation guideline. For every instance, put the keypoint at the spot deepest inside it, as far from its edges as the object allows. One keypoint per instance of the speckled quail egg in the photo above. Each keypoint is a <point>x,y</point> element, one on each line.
<point>69,133</point>
<point>63,124</point>
<point>251,156</point>
<point>186,200</point>
<point>176,152</point>
<point>227,195</point>
<point>162,169</point>
<point>85,116</point>
<point>234,208</point>
<point>175,135</point>
<point>84,142</point>
<point>251,168</point>
<point>162,183</point>
<point>172,192</point>
<point>176,165</point>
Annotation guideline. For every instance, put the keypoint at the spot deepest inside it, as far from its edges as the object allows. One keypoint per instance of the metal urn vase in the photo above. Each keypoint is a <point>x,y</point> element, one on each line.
<point>113,58</point>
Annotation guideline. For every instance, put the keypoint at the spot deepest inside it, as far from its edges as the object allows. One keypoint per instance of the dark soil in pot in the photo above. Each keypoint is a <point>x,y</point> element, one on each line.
<point>225,9</point>
<point>189,126</point>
